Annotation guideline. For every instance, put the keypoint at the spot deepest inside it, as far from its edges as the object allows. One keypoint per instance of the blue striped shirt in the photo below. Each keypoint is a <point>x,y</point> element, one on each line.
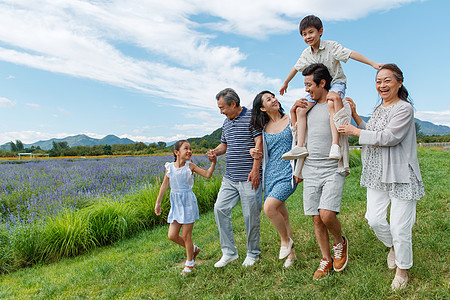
<point>239,136</point>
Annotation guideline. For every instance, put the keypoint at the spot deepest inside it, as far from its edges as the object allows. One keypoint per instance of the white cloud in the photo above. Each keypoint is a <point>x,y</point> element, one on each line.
<point>63,111</point>
<point>33,106</point>
<point>29,137</point>
<point>152,139</point>
<point>11,77</point>
<point>436,117</point>
<point>5,102</point>
<point>80,38</point>
<point>198,130</point>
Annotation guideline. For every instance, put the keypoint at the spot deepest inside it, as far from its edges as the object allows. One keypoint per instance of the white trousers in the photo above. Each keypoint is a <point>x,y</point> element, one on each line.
<point>399,232</point>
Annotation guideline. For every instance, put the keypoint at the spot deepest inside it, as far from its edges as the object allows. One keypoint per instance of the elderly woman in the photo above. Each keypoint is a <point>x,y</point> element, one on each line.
<point>390,171</point>
<point>278,180</point>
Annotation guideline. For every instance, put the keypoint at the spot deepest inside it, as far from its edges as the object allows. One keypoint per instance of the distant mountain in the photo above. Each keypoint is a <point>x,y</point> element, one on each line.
<point>427,128</point>
<point>76,140</point>
<point>213,138</point>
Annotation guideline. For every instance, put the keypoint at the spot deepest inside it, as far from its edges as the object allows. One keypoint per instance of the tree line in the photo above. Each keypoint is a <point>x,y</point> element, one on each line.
<point>140,148</point>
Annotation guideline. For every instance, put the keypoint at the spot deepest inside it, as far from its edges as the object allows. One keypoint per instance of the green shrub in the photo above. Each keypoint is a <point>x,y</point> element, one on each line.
<point>6,257</point>
<point>26,244</point>
<point>67,234</point>
<point>110,221</point>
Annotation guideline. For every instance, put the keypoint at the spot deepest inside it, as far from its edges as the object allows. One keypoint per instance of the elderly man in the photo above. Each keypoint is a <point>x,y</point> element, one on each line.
<point>241,179</point>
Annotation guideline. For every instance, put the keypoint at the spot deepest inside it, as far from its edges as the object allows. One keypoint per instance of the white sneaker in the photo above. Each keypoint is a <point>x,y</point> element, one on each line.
<point>250,261</point>
<point>335,152</point>
<point>295,153</point>
<point>225,260</point>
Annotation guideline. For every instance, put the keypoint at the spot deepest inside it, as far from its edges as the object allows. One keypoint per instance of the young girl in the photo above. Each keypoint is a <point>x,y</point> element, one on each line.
<point>183,203</point>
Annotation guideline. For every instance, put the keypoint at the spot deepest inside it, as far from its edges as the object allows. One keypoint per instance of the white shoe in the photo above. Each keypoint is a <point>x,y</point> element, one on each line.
<point>225,260</point>
<point>250,261</point>
<point>399,283</point>
<point>335,152</point>
<point>391,260</point>
<point>285,251</point>
<point>295,153</point>
<point>289,262</point>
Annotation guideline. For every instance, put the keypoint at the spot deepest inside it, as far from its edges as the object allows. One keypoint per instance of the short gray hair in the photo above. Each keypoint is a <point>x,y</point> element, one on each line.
<point>229,95</point>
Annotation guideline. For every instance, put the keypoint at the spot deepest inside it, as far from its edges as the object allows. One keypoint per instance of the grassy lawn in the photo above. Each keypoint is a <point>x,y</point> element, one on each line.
<point>148,265</point>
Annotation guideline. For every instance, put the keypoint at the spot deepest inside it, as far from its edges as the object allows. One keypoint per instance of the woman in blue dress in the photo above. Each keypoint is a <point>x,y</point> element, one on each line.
<point>278,180</point>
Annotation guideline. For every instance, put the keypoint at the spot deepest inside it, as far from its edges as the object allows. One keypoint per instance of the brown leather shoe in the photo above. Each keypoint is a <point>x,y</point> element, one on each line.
<point>324,269</point>
<point>340,255</point>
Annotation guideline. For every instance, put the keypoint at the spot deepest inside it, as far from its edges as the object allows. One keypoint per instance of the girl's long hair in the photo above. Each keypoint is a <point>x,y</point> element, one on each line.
<point>177,147</point>
<point>261,118</point>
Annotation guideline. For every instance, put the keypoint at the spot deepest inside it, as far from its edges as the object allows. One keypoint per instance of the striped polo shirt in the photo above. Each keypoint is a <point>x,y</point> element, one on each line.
<point>239,136</point>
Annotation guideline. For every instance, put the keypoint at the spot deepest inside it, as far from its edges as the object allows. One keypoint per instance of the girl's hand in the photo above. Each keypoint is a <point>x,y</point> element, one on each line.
<point>212,157</point>
<point>158,209</point>
<point>256,153</point>
<point>349,129</point>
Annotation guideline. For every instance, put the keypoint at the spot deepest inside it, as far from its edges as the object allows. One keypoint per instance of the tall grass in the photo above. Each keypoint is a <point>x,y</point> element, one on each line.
<point>67,235</point>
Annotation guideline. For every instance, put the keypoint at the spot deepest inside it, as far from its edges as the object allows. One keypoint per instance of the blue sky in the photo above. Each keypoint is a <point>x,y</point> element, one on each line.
<point>149,70</point>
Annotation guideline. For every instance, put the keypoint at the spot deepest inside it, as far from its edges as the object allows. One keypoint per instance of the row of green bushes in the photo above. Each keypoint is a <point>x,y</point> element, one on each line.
<point>71,233</point>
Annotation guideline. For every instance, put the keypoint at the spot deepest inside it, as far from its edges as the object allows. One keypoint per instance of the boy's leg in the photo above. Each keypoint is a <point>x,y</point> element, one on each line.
<point>187,237</point>
<point>299,151</point>
<point>337,94</point>
<point>334,132</point>
<point>335,104</point>
<point>301,123</point>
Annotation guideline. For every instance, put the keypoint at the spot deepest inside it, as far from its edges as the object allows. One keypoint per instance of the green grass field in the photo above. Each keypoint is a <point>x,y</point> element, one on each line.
<point>148,265</point>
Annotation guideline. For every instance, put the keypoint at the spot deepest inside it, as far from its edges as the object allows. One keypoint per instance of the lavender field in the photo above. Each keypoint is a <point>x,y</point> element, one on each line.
<point>34,189</point>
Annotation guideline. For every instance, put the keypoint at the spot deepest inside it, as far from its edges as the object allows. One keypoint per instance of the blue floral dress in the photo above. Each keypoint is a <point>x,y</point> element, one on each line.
<point>183,203</point>
<point>278,180</point>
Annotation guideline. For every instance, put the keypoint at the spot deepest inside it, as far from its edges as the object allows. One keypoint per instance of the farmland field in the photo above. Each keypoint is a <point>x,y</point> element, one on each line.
<point>30,190</point>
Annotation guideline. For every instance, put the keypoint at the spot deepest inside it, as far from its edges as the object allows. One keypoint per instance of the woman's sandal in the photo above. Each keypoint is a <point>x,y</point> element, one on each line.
<point>187,270</point>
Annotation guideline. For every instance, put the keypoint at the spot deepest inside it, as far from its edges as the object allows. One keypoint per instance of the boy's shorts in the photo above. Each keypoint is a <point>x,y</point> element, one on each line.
<point>337,87</point>
<point>322,189</point>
